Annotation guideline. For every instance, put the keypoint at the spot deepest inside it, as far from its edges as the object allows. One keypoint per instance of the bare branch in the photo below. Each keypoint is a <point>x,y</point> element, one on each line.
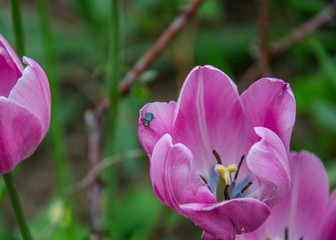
<point>261,51</point>
<point>148,58</point>
<point>167,36</point>
<point>99,168</point>
<point>324,17</point>
<point>94,156</point>
<point>296,35</point>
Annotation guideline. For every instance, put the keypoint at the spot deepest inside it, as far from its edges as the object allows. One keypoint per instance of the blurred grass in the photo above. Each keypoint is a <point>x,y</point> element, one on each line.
<point>222,34</point>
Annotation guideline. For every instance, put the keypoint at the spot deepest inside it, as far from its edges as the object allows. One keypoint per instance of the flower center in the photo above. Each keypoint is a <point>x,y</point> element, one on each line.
<point>225,184</point>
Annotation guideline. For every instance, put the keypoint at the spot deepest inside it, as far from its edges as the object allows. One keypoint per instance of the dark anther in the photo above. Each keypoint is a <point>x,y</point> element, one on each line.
<point>204,180</point>
<point>239,165</point>
<point>226,193</point>
<point>301,238</point>
<point>286,233</point>
<point>244,189</point>
<point>219,161</point>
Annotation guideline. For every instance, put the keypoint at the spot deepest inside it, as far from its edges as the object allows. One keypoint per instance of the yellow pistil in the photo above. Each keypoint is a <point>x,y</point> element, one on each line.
<point>225,172</point>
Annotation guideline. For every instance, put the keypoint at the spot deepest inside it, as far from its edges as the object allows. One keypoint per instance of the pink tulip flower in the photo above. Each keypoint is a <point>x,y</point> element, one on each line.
<point>24,107</point>
<point>306,212</point>
<point>218,158</point>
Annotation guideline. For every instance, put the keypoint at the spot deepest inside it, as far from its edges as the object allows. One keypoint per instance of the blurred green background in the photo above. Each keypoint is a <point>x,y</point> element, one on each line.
<point>222,33</point>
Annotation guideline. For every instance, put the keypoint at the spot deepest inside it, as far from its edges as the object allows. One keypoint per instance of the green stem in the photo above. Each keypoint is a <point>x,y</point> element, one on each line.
<point>114,61</point>
<point>113,78</point>
<point>15,201</point>
<point>17,27</point>
<point>56,126</point>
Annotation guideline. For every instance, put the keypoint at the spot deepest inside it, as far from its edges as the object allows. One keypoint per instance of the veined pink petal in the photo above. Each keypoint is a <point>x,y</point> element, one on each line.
<point>174,177</point>
<point>228,218</point>
<point>302,209</point>
<point>32,92</point>
<point>20,134</point>
<point>160,125</point>
<point>158,167</point>
<point>209,117</point>
<point>183,179</point>
<point>270,103</point>
<point>10,67</point>
<point>308,194</point>
<point>268,160</point>
<point>208,236</point>
<point>328,226</point>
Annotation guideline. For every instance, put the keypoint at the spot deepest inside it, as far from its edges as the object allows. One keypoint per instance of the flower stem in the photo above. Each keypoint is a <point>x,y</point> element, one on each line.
<point>17,27</point>
<point>15,201</point>
<point>56,126</point>
<point>113,78</point>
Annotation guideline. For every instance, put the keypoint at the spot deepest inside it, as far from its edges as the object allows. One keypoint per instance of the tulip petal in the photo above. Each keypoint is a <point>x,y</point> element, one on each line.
<point>10,67</point>
<point>209,117</point>
<point>228,218</point>
<point>328,229</point>
<point>160,125</point>
<point>32,92</point>
<point>301,210</point>
<point>268,160</point>
<point>157,169</point>
<point>308,194</point>
<point>208,236</point>
<point>173,176</point>
<point>20,134</point>
<point>183,179</point>
<point>270,103</point>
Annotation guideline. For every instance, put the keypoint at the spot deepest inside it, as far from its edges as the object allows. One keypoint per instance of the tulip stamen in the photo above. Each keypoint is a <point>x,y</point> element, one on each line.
<point>244,189</point>
<point>286,233</point>
<point>224,182</point>
<point>239,165</point>
<point>225,172</point>
<point>219,160</point>
<point>267,235</point>
<point>204,180</point>
<point>226,193</point>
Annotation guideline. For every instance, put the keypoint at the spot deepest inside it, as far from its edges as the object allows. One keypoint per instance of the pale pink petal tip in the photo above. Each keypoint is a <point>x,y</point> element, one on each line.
<point>160,124</point>
<point>268,160</point>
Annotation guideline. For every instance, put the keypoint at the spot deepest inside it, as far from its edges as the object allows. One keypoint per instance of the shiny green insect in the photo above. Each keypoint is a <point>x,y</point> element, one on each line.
<point>147,120</point>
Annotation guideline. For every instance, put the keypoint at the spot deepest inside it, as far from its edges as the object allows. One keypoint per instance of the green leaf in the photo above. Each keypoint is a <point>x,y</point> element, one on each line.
<point>325,114</point>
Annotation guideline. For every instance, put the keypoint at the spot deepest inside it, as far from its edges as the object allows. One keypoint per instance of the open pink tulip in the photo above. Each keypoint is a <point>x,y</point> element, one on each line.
<point>305,213</point>
<point>218,158</point>
<point>24,107</point>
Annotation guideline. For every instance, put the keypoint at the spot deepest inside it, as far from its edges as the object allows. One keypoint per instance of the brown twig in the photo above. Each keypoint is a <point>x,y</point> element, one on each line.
<point>148,58</point>
<point>324,17</point>
<point>262,51</point>
<point>167,36</point>
<point>159,228</point>
<point>295,36</point>
<point>94,172</point>
<point>94,155</point>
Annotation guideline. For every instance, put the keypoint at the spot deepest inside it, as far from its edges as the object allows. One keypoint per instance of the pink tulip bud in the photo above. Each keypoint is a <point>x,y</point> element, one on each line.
<point>24,107</point>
